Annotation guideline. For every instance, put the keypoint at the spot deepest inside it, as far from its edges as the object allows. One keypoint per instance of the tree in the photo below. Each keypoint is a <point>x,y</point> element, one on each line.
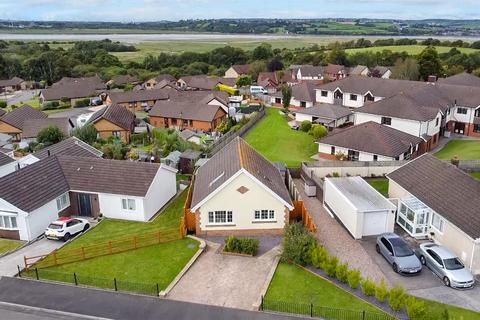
<point>337,56</point>
<point>50,135</point>
<point>262,52</point>
<point>244,80</point>
<point>275,64</point>
<point>87,134</point>
<point>429,63</point>
<point>318,131</point>
<point>256,67</point>
<point>407,69</point>
<point>286,96</point>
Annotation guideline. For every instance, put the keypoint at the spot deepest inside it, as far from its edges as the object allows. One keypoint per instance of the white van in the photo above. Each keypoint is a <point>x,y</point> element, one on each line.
<point>254,90</point>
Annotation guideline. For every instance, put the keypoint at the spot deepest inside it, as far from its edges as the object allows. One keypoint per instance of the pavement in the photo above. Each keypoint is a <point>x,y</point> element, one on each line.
<point>54,298</point>
<point>9,263</point>
<point>226,280</point>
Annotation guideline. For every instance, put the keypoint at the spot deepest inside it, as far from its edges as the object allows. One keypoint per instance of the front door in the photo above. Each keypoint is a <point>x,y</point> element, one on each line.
<point>459,127</point>
<point>84,205</point>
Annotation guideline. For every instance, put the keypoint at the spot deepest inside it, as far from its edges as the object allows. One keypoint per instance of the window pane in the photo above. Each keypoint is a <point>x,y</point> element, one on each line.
<point>131,204</point>
<point>124,204</point>
<point>257,214</point>
<point>210,217</point>
<point>59,204</point>
<point>14,222</point>
<point>264,214</point>
<point>2,225</point>
<point>229,216</point>
<point>271,214</point>
<point>8,225</point>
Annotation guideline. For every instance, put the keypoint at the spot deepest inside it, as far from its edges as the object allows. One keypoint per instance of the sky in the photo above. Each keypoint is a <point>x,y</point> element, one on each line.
<point>155,10</point>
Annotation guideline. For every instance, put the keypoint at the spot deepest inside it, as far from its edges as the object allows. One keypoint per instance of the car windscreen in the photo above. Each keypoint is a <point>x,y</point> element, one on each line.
<point>453,264</point>
<point>400,247</point>
<point>55,226</point>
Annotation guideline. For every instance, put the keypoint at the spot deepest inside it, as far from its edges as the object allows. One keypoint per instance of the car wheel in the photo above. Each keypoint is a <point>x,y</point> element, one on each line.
<point>423,261</point>
<point>66,237</point>
<point>446,281</point>
<point>85,228</point>
<point>377,248</point>
<point>395,268</point>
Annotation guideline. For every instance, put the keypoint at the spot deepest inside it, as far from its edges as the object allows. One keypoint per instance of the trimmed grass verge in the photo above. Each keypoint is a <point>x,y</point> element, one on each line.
<point>7,245</point>
<point>476,175</point>
<point>464,149</point>
<point>379,184</point>
<point>436,309</point>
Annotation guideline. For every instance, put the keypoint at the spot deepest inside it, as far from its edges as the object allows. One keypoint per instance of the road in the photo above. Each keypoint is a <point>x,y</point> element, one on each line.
<point>113,305</point>
<point>21,96</point>
<point>19,312</point>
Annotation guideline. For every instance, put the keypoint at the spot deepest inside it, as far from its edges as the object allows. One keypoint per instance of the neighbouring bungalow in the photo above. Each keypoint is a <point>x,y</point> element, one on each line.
<point>303,96</point>
<point>203,82</point>
<point>61,185</point>
<point>7,165</point>
<point>358,70</point>
<point>237,70</point>
<point>115,121</point>
<point>73,89</point>
<point>136,100</point>
<point>13,84</point>
<point>333,72</point>
<point>381,72</point>
<point>308,72</point>
<point>369,141</point>
<point>32,127</point>
<point>122,81</point>
<point>160,79</point>
<point>439,201</point>
<point>329,115</point>
<point>461,79</point>
<point>239,192</point>
<point>12,123</point>
<point>271,80</point>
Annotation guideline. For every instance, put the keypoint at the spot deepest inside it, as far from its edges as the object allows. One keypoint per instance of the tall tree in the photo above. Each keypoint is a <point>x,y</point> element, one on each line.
<point>429,63</point>
<point>407,69</point>
<point>337,56</point>
<point>275,64</point>
<point>286,96</point>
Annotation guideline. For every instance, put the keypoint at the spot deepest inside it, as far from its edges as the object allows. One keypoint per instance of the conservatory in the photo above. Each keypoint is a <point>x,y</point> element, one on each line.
<point>414,216</point>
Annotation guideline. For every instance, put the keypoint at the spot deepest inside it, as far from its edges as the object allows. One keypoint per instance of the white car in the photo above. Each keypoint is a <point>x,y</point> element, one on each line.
<point>66,227</point>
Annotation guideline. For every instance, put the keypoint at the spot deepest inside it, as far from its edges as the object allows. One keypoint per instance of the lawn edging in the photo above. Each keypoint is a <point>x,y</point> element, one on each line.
<point>25,243</point>
<point>258,304</point>
<point>179,276</point>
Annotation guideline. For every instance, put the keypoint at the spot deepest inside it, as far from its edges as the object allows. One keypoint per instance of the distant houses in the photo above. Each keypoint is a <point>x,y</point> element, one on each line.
<point>113,120</point>
<point>13,122</point>
<point>73,89</point>
<point>237,70</point>
<point>136,100</point>
<point>12,85</point>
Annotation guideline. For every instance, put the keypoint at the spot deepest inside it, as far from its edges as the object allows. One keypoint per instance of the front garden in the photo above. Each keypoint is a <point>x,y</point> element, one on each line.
<point>463,149</point>
<point>7,245</point>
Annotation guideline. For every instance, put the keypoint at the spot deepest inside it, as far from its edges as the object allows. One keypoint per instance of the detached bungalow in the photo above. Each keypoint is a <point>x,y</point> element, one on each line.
<point>461,79</point>
<point>114,120</point>
<point>381,72</point>
<point>160,79</point>
<point>237,70</point>
<point>13,84</point>
<point>32,127</point>
<point>122,80</point>
<point>136,100</point>
<point>303,96</point>
<point>439,201</point>
<point>329,115</point>
<point>369,141</point>
<point>73,89</point>
<point>13,122</point>
<point>32,197</point>
<point>239,192</point>
<point>203,82</point>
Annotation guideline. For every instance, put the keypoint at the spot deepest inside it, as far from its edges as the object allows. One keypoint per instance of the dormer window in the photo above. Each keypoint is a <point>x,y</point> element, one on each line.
<point>387,121</point>
<point>324,93</point>
<point>353,97</point>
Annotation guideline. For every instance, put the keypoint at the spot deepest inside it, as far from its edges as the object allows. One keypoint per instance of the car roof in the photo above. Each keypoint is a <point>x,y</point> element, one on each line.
<point>62,220</point>
<point>390,235</point>
<point>442,251</point>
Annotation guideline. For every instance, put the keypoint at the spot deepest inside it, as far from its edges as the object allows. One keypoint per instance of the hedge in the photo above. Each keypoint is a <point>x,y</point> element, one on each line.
<point>241,245</point>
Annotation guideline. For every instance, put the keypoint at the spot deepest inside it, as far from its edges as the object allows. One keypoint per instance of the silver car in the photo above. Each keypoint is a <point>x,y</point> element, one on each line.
<point>446,265</point>
<point>398,254</point>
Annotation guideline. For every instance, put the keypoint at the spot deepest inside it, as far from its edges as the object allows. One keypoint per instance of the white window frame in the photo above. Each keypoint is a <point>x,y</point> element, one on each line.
<point>12,220</point>
<point>63,201</point>
<point>215,217</point>
<point>127,204</point>
<point>264,215</point>
<point>441,223</point>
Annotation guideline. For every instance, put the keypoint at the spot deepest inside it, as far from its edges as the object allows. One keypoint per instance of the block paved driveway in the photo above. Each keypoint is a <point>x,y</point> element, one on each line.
<point>223,280</point>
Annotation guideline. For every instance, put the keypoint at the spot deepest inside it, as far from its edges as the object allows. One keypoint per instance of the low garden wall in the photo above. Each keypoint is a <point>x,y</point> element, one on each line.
<point>322,169</point>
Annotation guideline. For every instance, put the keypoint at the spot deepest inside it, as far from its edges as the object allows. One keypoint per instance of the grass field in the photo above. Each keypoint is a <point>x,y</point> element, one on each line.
<point>411,49</point>
<point>293,284</point>
<point>9,245</point>
<point>381,185</point>
<point>435,310</point>
<point>464,149</point>
<point>273,138</point>
<point>476,175</point>
<point>33,102</point>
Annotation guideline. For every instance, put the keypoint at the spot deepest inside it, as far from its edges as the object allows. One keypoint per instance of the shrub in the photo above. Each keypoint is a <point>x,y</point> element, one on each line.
<point>65,99</point>
<point>368,287</point>
<point>241,245</point>
<point>50,135</point>
<point>336,174</point>
<point>81,103</point>
<point>397,298</point>
<point>298,244</point>
<point>3,104</point>
<point>318,131</point>
<point>305,126</point>
<point>415,308</point>
<point>319,256</point>
<point>354,278</point>
<point>342,272</point>
<point>330,266</point>
<point>51,105</point>
<point>381,291</point>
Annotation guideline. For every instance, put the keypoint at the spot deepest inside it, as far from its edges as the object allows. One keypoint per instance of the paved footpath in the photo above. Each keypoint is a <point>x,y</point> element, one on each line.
<point>114,305</point>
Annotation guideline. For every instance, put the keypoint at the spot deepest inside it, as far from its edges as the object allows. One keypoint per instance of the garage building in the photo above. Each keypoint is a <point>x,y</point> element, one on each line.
<point>360,208</point>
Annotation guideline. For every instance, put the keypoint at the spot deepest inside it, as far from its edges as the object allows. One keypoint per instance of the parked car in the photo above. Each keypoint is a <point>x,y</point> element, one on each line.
<point>65,227</point>
<point>254,90</point>
<point>96,102</point>
<point>397,252</point>
<point>446,265</point>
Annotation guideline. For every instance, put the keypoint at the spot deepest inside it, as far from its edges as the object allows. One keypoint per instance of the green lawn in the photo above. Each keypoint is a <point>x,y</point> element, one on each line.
<point>410,49</point>
<point>455,313</point>
<point>464,149</point>
<point>293,284</point>
<point>33,102</point>
<point>476,175</point>
<point>273,138</point>
<point>9,245</point>
<point>380,184</point>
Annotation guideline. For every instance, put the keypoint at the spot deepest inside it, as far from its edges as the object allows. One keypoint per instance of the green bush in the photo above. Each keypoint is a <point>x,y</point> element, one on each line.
<point>354,278</point>
<point>82,103</point>
<point>3,104</point>
<point>381,291</point>
<point>330,266</point>
<point>241,245</point>
<point>319,256</point>
<point>65,100</point>
<point>318,131</point>
<point>51,105</point>
<point>305,126</point>
<point>298,244</point>
<point>140,139</point>
<point>415,308</point>
<point>397,298</point>
<point>368,287</point>
<point>342,272</point>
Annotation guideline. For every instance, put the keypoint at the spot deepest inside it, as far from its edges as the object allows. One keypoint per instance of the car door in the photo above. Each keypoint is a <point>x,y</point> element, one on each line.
<point>436,264</point>
<point>387,250</point>
<point>77,226</point>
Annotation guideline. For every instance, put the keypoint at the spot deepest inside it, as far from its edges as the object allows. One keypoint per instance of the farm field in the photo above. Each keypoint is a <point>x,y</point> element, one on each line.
<point>410,49</point>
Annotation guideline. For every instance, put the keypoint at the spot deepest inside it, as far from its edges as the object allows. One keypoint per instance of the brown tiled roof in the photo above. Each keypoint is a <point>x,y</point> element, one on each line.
<point>380,70</point>
<point>165,77</point>
<point>333,68</point>
<point>241,68</point>
<point>465,96</point>
<point>69,147</point>
<point>18,116</point>
<point>187,110</point>
<point>462,79</point>
<point>15,81</point>
<point>444,188</point>
<point>2,112</point>
<point>115,114</point>
<point>372,137</point>
<point>326,111</point>
<point>32,127</point>
<point>138,96</point>
<point>227,162</point>
<point>303,91</point>
<point>73,88</point>
<point>43,181</point>
<point>4,159</point>
<point>125,79</point>
<point>94,81</point>
<point>357,70</point>
<point>199,97</point>
<point>311,71</point>
<point>204,82</point>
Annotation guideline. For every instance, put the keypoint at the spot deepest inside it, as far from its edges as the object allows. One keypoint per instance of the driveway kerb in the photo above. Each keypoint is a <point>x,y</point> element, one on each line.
<point>258,303</point>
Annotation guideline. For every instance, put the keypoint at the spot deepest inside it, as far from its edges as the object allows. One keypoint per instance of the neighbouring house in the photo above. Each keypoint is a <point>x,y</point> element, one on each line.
<point>12,123</point>
<point>272,80</point>
<point>203,82</point>
<point>358,70</point>
<point>123,80</point>
<point>303,96</point>
<point>136,100</point>
<point>381,72</point>
<point>461,79</point>
<point>333,72</point>
<point>309,72</point>
<point>191,136</point>
<point>361,209</point>
<point>369,141</point>
<point>114,120</point>
<point>32,127</point>
<point>13,84</point>
<point>61,185</point>
<point>239,192</point>
<point>163,79</point>
<point>73,89</point>
<point>439,201</point>
<point>237,70</point>
<point>172,160</point>
<point>329,115</point>
<point>187,161</point>
<point>7,165</point>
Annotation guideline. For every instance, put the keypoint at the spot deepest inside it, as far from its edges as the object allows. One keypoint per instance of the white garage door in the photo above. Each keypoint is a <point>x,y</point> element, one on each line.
<point>375,223</point>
